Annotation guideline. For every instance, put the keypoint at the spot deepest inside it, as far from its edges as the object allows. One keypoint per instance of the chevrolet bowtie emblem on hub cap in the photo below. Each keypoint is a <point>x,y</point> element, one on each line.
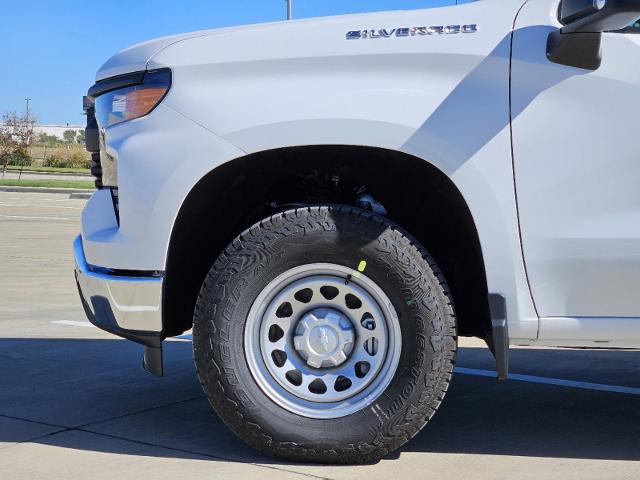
<point>412,31</point>
<point>323,338</point>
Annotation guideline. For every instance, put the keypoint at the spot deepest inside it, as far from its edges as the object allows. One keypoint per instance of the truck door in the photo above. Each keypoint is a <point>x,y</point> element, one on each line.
<point>576,151</point>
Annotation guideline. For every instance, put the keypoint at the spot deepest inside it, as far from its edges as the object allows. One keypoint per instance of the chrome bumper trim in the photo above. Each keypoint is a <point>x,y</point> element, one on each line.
<point>126,306</point>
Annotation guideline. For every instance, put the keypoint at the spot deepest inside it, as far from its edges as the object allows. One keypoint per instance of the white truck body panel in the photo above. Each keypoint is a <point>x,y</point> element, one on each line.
<point>442,98</point>
<point>577,170</point>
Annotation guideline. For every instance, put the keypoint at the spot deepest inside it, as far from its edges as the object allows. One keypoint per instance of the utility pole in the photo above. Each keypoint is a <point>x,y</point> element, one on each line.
<point>289,9</point>
<point>28,126</point>
<point>27,100</point>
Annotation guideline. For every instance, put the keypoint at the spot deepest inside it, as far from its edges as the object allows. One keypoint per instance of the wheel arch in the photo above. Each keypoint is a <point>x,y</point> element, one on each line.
<point>417,195</point>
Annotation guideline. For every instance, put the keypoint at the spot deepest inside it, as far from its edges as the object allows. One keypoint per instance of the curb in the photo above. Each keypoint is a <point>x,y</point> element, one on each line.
<point>75,192</point>
<point>63,174</point>
<point>80,196</point>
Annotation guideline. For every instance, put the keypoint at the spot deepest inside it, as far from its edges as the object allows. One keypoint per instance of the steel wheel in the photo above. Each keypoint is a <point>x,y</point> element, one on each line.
<point>325,334</point>
<point>322,341</point>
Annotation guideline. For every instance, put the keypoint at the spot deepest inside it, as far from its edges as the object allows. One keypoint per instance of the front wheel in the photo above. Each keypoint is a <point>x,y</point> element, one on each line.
<point>325,334</point>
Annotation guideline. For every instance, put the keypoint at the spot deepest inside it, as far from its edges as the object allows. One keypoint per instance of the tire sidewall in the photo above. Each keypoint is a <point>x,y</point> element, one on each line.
<point>342,236</point>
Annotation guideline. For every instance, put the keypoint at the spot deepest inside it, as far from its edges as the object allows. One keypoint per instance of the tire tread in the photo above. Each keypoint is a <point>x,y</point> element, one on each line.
<point>389,435</point>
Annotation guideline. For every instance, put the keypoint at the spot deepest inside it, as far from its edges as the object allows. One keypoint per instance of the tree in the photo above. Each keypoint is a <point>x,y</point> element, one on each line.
<point>48,140</point>
<point>80,137</point>
<point>16,134</point>
<point>6,145</point>
<point>69,136</point>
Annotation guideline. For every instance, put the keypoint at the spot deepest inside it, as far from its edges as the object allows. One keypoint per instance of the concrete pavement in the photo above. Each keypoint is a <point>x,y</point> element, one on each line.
<point>74,402</point>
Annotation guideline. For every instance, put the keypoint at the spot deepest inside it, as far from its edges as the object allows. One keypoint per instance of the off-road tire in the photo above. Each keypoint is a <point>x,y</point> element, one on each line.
<point>345,236</point>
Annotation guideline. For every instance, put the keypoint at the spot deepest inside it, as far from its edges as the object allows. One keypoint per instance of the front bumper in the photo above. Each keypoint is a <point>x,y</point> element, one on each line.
<point>130,307</point>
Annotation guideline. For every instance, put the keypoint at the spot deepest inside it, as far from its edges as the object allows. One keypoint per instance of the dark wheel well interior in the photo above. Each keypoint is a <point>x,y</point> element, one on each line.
<point>416,195</point>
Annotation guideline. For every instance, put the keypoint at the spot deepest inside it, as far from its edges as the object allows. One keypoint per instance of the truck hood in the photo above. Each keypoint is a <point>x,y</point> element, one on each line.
<point>139,57</point>
<point>136,57</point>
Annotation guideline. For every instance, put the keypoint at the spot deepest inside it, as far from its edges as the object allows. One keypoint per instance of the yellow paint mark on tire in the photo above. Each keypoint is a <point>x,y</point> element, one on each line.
<point>362,265</point>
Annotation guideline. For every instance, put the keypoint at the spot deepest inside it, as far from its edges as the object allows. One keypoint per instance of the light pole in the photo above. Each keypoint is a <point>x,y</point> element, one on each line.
<point>28,127</point>
<point>289,9</point>
<point>27,100</point>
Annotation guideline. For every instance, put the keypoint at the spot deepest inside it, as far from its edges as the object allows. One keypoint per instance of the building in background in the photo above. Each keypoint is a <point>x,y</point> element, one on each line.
<point>56,130</point>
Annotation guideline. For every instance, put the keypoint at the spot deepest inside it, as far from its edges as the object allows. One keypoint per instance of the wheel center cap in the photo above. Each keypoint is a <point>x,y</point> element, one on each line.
<point>324,338</point>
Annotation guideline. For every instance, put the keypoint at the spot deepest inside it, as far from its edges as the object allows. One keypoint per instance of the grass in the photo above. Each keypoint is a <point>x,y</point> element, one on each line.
<point>49,183</point>
<point>49,169</point>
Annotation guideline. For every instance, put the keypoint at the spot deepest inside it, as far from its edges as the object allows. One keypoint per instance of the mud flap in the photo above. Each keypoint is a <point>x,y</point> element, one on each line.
<point>499,341</point>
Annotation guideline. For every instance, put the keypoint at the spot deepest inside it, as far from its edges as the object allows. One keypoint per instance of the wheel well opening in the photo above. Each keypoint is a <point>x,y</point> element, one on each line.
<point>416,195</point>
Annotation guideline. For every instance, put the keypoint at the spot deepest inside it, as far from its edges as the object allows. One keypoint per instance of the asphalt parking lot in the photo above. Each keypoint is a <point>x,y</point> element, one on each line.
<point>74,402</point>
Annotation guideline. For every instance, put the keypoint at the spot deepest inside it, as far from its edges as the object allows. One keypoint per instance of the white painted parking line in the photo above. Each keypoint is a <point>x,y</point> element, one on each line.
<point>25,217</point>
<point>25,205</point>
<point>39,199</point>
<point>186,338</point>
<point>74,323</point>
<point>552,381</point>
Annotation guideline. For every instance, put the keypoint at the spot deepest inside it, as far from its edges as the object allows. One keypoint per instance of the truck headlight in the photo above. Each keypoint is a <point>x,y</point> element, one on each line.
<point>139,95</point>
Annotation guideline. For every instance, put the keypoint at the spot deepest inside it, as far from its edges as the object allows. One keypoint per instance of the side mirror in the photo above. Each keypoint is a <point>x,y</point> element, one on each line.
<point>572,10</point>
<point>597,16</point>
<point>577,43</point>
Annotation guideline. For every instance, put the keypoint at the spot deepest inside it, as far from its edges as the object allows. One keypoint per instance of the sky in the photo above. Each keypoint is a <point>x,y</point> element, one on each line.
<point>51,49</point>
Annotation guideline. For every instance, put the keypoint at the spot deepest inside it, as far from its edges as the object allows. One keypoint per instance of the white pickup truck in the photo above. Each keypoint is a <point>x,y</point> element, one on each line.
<point>330,203</point>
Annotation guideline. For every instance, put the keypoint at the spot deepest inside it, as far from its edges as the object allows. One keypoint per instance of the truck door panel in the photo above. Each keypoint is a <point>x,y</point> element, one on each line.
<point>577,169</point>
